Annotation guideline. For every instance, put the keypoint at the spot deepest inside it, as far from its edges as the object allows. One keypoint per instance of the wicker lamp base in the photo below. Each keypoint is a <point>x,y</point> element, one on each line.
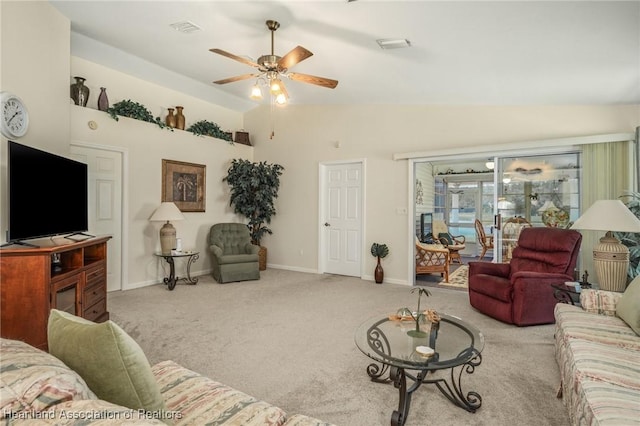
<point>611,262</point>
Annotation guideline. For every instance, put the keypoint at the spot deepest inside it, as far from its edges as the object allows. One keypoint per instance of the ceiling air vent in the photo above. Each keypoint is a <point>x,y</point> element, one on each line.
<point>185,27</point>
<point>393,43</point>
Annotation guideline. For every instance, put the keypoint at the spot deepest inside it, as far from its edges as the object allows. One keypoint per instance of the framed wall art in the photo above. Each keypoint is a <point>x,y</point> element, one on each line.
<point>184,184</point>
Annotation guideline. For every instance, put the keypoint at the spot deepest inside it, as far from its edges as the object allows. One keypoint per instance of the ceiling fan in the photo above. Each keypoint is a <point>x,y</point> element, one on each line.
<point>272,67</point>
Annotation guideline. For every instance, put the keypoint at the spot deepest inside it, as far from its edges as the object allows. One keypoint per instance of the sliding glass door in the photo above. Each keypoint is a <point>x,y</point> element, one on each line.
<point>539,190</point>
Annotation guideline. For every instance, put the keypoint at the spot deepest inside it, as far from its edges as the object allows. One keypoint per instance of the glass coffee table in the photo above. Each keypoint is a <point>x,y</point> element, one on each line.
<point>457,345</point>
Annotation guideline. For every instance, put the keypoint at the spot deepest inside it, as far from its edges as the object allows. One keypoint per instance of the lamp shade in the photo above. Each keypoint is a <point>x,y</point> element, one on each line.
<point>608,215</point>
<point>610,257</point>
<point>166,212</point>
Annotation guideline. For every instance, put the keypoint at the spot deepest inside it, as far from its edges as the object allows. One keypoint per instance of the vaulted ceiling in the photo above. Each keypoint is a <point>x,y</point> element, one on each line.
<point>462,52</point>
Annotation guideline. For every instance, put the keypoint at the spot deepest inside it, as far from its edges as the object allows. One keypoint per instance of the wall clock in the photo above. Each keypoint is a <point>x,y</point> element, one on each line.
<point>14,117</point>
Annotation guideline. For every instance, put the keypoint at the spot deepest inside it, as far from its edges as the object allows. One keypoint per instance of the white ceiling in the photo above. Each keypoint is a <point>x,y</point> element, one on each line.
<point>462,52</point>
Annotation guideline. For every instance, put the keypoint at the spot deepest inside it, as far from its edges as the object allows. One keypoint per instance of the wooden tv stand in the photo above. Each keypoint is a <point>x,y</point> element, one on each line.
<point>30,286</point>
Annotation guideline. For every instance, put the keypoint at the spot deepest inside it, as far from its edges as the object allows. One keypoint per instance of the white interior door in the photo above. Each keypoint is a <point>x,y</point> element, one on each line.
<point>341,219</point>
<point>105,204</point>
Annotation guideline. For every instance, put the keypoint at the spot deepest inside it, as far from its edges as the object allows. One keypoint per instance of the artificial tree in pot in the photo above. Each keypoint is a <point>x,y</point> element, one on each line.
<point>254,188</point>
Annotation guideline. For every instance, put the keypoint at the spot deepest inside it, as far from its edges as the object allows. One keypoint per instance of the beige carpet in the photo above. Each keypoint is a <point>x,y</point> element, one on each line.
<point>458,278</point>
<point>288,339</point>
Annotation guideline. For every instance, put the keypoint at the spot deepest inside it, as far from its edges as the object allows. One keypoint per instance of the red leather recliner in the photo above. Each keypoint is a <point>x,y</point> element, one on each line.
<point>520,292</point>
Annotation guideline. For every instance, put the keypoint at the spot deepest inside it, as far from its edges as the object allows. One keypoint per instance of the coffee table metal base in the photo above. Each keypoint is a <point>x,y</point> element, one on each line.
<point>172,279</point>
<point>451,389</point>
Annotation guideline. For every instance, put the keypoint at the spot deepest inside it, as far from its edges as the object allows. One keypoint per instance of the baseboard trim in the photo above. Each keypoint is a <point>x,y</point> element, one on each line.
<point>292,268</point>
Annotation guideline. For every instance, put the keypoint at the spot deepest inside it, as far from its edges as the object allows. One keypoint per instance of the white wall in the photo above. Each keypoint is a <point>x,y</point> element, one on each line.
<point>146,145</point>
<point>37,66</point>
<point>306,135</point>
<point>34,65</point>
<point>40,69</point>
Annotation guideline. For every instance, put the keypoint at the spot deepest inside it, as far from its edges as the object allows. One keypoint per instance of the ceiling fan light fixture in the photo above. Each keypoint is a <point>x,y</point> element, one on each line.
<point>256,92</point>
<point>275,87</point>
<point>281,99</point>
<point>393,43</point>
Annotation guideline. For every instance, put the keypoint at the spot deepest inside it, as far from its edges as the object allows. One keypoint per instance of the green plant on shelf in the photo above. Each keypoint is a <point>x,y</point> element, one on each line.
<point>209,128</point>
<point>135,110</point>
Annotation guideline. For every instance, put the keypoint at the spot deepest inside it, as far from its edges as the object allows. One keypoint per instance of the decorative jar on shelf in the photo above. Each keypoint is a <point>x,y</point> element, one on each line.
<point>103,100</point>
<point>79,92</point>
<point>171,119</point>
<point>179,118</point>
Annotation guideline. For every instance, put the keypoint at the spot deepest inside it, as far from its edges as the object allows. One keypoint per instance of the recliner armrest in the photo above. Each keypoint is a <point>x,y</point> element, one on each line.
<point>540,276</point>
<point>497,269</point>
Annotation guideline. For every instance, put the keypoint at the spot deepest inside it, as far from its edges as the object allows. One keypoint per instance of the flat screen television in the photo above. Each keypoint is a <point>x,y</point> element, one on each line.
<point>426,224</point>
<point>48,194</point>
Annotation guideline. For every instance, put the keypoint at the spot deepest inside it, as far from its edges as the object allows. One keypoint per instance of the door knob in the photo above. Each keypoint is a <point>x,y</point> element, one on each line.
<point>327,224</point>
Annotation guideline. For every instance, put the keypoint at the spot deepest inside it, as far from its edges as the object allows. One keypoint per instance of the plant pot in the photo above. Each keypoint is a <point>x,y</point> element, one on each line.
<point>262,258</point>
<point>379,273</point>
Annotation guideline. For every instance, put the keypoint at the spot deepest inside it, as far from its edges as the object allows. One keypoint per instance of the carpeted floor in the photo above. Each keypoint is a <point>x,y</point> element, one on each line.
<point>288,339</point>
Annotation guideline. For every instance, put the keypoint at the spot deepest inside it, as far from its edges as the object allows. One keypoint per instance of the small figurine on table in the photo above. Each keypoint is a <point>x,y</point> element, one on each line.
<point>585,280</point>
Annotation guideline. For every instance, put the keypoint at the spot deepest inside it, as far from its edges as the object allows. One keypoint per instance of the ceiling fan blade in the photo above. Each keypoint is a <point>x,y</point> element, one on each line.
<point>312,79</point>
<point>235,57</point>
<point>298,54</point>
<point>236,78</point>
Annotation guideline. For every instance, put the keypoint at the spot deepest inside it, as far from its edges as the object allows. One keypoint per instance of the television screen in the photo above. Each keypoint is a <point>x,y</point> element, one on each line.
<point>47,194</point>
<point>426,222</point>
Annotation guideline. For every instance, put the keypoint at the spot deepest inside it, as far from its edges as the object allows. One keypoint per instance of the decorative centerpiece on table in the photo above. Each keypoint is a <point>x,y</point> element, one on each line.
<point>422,319</point>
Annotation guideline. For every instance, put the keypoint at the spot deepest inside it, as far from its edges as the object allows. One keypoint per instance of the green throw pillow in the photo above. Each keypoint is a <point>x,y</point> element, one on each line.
<point>628,307</point>
<point>446,237</point>
<point>107,358</point>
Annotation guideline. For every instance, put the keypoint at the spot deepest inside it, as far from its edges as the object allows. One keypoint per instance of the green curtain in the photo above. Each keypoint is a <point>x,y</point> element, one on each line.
<point>607,173</point>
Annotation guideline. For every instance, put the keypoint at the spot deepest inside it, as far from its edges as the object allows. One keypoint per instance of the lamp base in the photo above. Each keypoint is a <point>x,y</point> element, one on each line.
<point>167,238</point>
<point>611,262</point>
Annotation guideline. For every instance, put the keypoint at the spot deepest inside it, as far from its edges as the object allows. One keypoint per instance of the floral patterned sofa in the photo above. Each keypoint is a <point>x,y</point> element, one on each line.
<point>599,357</point>
<point>38,388</point>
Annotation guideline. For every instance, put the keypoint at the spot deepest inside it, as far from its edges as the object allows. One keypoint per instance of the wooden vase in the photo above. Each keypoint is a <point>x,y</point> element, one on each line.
<point>171,119</point>
<point>103,100</point>
<point>379,273</point>
<point>179,118</point>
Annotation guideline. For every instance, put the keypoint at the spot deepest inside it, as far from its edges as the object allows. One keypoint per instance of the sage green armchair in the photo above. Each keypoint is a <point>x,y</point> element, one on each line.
<point>234,257</point>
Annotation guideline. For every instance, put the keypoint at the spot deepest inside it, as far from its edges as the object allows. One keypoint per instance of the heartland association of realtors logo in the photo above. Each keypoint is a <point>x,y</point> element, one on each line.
<point>62,414</point>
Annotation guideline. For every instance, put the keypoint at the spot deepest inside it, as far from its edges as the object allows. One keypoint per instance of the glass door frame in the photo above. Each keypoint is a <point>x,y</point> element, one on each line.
<point>471,153</point>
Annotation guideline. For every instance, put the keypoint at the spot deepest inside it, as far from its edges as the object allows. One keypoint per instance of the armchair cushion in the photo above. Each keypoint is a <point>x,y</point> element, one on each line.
<point>599,301</point>
<point>628,308</point>
<point>445,237</point>
<point>108,359</point>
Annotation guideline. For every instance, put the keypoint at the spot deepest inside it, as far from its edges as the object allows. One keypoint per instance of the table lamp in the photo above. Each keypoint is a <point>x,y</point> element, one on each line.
<point>610,257</point>
<point>166,212</point>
